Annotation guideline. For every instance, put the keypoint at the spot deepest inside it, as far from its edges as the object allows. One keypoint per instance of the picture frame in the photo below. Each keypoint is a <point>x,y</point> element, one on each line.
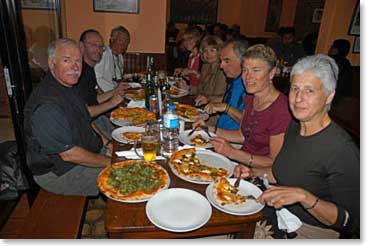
<point>194,11</point>
<point>116,6</point>
<point>273,15</point>
<point>356,45</point>
<point>38,4</point>
<point>355,23</point>
<point>317,15</point>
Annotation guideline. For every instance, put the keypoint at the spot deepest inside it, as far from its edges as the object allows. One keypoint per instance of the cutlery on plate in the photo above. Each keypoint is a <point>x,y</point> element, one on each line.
<point>238,181</point>
<point>192,131</point>
<point>251,197</point>
<point>205,128</point>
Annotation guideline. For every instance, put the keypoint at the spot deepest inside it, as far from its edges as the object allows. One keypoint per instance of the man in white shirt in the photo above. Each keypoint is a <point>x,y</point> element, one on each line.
<point>111,68</point>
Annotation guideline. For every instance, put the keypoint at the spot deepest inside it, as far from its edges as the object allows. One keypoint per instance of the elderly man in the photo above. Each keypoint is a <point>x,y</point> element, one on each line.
<point>110,69</point>
<point>231,104</point>
<point>92,43</point>
<point>62,145</point>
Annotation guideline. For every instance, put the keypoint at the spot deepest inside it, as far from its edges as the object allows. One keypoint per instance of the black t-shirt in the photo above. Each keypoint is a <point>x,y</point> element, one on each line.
<point>87,85</point>
<point>325,164</point>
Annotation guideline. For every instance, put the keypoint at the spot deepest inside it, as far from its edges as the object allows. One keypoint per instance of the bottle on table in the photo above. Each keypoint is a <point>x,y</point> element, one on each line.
<point>149,83</point>
<point>170,130</point>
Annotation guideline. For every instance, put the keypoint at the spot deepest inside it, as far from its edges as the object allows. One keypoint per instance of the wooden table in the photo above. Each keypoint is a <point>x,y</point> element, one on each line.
<point>128,220</point>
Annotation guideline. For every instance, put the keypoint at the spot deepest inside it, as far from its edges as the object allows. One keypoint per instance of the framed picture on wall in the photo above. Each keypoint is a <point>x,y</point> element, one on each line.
<point>118,6</point>
<point>354,25</point>
<point>317,15</point>
<point>38,4</point>
<point>194,11</point>
<point>356,47</point>
<point>273,16</point>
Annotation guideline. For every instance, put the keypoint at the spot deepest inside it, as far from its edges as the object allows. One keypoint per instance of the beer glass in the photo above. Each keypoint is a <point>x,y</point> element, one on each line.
<point>150,146</point>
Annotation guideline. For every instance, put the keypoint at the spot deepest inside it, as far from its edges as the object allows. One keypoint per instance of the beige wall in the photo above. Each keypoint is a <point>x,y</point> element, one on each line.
<point>335,23</point>
<point>147,29</point>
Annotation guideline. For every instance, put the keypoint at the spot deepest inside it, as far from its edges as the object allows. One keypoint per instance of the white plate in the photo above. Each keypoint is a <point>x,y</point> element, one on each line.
<point>202,114</point>
<point>250,206</point>
<point>182,92</point>
<point>178,210</point>
<point>185,139</point>
<point>212,159</point>
<point>117,133</point>
<point>118,122</point>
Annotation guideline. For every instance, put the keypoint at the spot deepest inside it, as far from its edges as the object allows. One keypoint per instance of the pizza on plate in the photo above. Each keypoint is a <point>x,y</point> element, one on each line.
<point>199,140</point>
<point>137,116</point>
<point>187,164</point>
<point>186,112</point>
<point>132,136</point>
<point>225,193</point>
<point>132,180</point>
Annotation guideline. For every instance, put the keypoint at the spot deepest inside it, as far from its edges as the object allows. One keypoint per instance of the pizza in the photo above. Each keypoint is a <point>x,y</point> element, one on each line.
<point>225,193</point>
<point>137,116</point>
<point>132,180</point>
<point>132,136</point>
<point>199,140</point>
<point>186,112</point>
<point>135,94</point>
<point>187,164</point>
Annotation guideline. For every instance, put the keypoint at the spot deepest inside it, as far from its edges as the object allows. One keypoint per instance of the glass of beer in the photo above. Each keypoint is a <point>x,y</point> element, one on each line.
<point>150,145</point>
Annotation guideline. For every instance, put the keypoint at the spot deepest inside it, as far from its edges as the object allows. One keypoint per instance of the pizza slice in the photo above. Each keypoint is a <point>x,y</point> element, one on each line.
<point>186,111</point>
<point>132,136</point>
<point>225,193</point>
<point>187,164</point>
<point>199,140</point>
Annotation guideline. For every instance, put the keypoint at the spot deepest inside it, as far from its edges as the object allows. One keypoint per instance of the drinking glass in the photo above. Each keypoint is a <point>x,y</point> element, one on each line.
<point>150,146</point>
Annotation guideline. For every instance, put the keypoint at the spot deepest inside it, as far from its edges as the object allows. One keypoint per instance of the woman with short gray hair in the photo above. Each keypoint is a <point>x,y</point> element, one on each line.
<point>316,173</point>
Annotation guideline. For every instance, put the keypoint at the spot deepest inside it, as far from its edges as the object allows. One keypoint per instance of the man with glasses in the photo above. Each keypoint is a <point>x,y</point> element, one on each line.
<point>110,69</point>
<point>97,104</point>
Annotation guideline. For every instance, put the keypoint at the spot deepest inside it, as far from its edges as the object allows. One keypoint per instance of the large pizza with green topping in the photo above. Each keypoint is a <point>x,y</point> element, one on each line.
<point>133,180</point>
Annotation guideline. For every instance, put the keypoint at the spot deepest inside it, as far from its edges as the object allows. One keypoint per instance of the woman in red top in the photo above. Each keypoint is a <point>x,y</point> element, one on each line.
<point>266,115</point>
<point>191,39</point>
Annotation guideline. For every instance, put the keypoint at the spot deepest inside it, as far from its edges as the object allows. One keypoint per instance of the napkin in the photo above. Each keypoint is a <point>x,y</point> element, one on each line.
<point>130,154</point>
<point>286,220</point>
<point>134,85</point>
<point>136,104</point>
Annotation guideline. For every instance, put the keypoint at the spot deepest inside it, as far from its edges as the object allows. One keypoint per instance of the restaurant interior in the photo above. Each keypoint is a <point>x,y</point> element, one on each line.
<point>28,27</point>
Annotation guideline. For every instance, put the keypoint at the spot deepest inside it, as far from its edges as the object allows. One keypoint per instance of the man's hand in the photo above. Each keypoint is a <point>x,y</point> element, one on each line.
<point>213,108</point>
<point>120,89</point>
<point>116,99</point>
<point>198,122</point>
<point>201,100</point>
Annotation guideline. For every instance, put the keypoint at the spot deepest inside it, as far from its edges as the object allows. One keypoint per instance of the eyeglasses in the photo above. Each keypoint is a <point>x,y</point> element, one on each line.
<point>96,46</point>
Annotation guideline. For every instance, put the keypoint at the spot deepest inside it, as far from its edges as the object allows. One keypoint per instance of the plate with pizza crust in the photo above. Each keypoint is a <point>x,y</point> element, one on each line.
<point>177,92</point>
<point>131,116</point>
<point>128,134</point>
<point>249,206</point>
<point>178,210</point>
<point>132,181</point>
<point>197,138</point>
<point>189,113</point>
<point>203,168</point>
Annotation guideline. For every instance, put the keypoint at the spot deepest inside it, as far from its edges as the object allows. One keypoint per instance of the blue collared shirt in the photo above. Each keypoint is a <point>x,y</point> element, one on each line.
<point>235,96</point>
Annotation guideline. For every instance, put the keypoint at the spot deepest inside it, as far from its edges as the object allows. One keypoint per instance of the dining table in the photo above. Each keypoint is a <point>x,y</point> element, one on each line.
<point>129,220</point>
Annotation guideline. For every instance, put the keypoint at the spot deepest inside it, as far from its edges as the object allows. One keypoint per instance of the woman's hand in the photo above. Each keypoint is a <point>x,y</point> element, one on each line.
<point>213,108</point>
<point>198,122</point>
<point>243,171</point>
<point>222,146</point>
<point>279,196</point>
<point>201,100</point>
<point>178,72</point>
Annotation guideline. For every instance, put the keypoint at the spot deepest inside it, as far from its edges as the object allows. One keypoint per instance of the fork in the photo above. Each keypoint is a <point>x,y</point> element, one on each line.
<point>206,129</point>
<point>192,131</point>
<point>251,197</point>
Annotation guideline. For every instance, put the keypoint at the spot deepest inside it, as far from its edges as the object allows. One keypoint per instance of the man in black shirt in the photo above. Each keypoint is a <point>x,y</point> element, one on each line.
<point>63,148</point>
<point>92,43</point>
